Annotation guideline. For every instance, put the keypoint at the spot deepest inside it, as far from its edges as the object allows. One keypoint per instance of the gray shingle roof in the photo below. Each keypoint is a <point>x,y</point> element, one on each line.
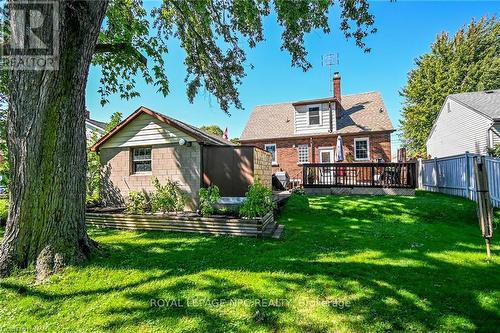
<point>96,123</point>
<point>362,112</point>
<point>485,102</point>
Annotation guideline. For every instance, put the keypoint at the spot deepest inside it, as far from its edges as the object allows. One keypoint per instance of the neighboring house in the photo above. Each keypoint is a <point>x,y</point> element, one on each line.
<point>148,144</point>
<point>93,126</point>
<point>467,122</point>
<point>306,131</point>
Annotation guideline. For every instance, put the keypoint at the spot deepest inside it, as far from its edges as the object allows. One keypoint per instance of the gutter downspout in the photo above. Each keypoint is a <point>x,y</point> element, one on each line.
<point>313,156</point>
<point>330,119</point>
<point>491,131</point>
<point>202,165</point>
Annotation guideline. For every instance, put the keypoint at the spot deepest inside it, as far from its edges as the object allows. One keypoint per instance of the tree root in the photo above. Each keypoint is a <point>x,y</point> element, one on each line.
<point>50,260</point>
<point>6,265</point>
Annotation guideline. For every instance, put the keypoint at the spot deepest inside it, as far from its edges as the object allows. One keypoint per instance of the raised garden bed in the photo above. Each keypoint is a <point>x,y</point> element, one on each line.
<point>185,222</point>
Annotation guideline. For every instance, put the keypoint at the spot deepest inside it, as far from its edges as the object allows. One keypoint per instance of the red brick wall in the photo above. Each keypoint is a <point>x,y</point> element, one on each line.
<point>287,156</point>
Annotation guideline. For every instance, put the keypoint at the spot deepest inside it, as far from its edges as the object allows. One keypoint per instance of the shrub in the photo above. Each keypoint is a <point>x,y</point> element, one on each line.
<point>495,151</point>
<point>93,174</point>
<point>168,197</point>
<point>208,199</point>
<point>138,202</point>
<point>298,191</point>
<point>93,199</point>
<point>259,201</point>
<point>4,211</point>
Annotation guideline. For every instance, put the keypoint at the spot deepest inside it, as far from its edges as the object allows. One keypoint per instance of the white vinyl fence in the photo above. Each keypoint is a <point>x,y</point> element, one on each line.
<point>455,175</point>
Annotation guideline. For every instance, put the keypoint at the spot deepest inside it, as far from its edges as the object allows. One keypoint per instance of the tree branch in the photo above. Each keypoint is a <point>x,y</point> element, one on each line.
<point>100,48</point>
<point>120,47</point>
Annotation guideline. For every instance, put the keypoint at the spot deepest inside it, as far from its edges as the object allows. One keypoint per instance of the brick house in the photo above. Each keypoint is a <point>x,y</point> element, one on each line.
<point>307,131</point>
<point>148,144</point>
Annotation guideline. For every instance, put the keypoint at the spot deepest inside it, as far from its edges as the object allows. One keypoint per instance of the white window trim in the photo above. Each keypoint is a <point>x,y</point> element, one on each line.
<point>275,161</point>
<point>329,149</point>
<point>132,166</point>
<point>367,147</point>
<point>319,114</point>
<point>298,154</point>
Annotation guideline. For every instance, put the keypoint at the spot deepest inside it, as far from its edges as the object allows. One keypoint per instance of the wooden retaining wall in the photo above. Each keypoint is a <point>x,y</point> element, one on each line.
<point>193,224</point>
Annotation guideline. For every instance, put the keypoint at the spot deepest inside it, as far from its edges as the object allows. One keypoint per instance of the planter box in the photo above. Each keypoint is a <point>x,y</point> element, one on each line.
<point>258,227</point>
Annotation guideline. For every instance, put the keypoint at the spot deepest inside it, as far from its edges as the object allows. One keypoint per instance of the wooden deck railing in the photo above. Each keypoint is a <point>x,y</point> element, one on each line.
<point>295,181</point>
<point>397,175</point>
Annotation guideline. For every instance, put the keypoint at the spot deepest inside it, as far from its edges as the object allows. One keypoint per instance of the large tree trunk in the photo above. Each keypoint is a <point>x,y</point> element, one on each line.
<point>46,138</point>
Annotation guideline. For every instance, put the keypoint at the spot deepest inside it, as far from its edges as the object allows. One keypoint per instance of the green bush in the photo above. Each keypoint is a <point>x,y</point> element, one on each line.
<point>208,199</point>
<point>138,202</point>
<point>495,151</point>
<point>4,211</point>
<point>259,201</point>
<point>168,197</point>
<point>298,191</point>
<point>92,197</point>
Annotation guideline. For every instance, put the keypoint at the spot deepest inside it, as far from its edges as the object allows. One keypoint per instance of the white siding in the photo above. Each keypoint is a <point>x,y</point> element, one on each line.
<point>145,130</point>
<point>458,129</point>
<point>496,135</point>
<point>302,119</point>
<point>91,129</point>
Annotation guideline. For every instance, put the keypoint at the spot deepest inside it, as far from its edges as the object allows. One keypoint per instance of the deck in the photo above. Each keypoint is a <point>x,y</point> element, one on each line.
<point>374,175</point>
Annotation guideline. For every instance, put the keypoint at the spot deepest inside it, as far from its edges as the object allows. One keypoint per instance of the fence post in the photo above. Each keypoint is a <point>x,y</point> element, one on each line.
<point>436,168</point>
<point>420,174</point>
<point>485,210</point>
<point>467,175</point>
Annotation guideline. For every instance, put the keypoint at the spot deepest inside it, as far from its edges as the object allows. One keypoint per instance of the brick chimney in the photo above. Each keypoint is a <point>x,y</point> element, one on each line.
<point>336,86</point>
<point>337,94</point>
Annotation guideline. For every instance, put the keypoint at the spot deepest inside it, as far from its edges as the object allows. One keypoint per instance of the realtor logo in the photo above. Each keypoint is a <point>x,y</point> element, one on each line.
<point>31,38</point>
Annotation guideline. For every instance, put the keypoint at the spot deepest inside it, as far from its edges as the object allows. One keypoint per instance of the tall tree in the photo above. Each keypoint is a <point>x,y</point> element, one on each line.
<point>467,61</point>
<point>115,119</point>
<point>46,140</point>
<point>235,141</point>
<point>213,129</point>
<point>46,119</point>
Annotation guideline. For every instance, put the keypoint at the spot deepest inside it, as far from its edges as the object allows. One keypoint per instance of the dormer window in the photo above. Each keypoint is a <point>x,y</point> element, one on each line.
<point>314,115</point>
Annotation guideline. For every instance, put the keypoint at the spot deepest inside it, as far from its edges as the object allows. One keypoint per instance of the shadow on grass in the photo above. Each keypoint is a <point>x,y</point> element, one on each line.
<point>403,263</point>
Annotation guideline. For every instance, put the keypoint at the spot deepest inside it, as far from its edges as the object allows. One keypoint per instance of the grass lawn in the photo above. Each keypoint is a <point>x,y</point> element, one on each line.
<point>346,264</point>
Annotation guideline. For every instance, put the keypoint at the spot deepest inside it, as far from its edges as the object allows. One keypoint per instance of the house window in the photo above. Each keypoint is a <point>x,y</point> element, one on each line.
<point>361,149</point>
<point>314,116</point>
<point>271,148</point>
<point>303,151</point>
<point>141,160</point>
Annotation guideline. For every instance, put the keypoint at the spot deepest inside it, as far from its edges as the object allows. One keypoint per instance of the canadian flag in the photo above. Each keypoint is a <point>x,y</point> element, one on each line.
<point>225,134</point>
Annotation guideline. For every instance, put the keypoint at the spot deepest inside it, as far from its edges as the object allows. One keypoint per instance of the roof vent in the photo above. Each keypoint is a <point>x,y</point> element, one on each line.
<point>381,110</point>
<point>489,92</point>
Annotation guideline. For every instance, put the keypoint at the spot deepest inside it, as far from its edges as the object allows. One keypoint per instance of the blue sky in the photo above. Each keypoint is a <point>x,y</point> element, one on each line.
<point>405,30</point>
